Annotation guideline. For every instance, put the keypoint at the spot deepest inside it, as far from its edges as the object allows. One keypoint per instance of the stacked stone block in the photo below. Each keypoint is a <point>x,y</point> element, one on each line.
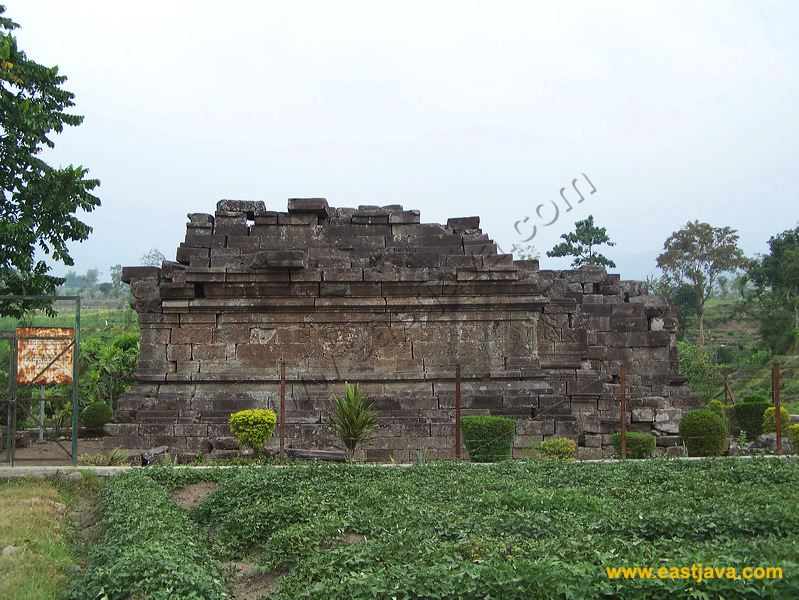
<point>374,296</point>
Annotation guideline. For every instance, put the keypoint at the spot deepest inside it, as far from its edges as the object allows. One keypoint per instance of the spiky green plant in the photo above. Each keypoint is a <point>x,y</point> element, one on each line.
<point>354,419</point>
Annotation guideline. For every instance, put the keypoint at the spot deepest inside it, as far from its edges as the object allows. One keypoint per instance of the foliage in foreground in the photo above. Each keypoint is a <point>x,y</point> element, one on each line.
<point>509,530</point>
<point>148,548</point>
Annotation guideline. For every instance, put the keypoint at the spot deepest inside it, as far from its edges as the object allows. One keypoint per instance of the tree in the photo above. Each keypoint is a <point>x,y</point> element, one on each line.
<point>116,276</point>
<point>90,279</point>
<point>775,290</point>
<point>581,244</point>
<point>697,255</point>
<point>528,252</point>
<point>39,202</point>
<point>153,258</point>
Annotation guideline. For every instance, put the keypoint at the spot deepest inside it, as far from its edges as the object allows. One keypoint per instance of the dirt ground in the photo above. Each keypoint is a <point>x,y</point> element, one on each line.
<point>50,453</point>
<point>193,494</point>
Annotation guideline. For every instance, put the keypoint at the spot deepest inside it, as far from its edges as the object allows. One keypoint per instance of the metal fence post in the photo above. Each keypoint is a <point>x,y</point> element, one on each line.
<point>75,376</point>
<point>775,393</point>
<point>623,395</point>
<point>457,412</point>
<point>282,412</point>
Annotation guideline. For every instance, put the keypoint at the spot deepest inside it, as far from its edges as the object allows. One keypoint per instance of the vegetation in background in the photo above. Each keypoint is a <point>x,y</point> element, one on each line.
<point>697,255</point>
<point>748,414</point>
<point>488,438</point>
<point>253,428</point>
<point>639,444</point>
<point>152,258</point>
<point>774,297</point>
<point>109,355</point>
<point>704,433</point>
<point>770,423</point>
<point>39,202</point>
<point>582,243</point>
<point>526,252</point>
<point>700,370</point>
<point>354,420</point>
<point>556,448</point>
<point>95,416</point>
<point>113,458</point>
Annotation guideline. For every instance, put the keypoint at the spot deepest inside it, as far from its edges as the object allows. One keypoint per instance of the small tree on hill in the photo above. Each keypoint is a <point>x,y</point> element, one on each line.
<point>697,255</point>
<point>775,291</point>
<point>582,243</point>
<point>153,258</point>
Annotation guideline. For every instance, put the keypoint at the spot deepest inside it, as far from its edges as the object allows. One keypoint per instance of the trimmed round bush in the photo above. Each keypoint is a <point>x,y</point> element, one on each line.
<point>769,422</point>
<point>253,428</point>
<point>556,448</point>
<point>639,444</point>
<point>488,438</point>
<point>704,433</point>
<point>749,415</point>
<point>95,416</point>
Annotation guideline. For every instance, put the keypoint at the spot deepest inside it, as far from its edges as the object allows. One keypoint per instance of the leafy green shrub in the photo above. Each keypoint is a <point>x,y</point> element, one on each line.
<point>556,448</point>
<point>769,422</point>
<point>488,438</point>
<point>253,427</point>
<point>95,416</point>
<point>698,368</point>
<point>756,397</point>
<point>113,458</point>
<point>749,414</point>
<point>717,407</point>
<point>760,358</point>
<point>639,444</point>
<point>793,437</point>
<point>354,419</point>
<point>704,433</point>
<point>148,548</point>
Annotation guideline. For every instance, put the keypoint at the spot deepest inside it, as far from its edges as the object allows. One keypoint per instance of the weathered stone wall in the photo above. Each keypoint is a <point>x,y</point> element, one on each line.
<point>371,295</point>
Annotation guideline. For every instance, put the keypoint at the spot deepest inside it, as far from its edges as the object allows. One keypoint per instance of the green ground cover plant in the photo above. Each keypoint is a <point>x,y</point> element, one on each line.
<point>523,529</point>
<point>147,547</point>
<point>35,534</point>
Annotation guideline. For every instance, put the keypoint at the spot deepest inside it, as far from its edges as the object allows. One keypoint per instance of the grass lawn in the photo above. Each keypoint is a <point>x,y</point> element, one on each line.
<point>36,537</point>
<point>512,530</point>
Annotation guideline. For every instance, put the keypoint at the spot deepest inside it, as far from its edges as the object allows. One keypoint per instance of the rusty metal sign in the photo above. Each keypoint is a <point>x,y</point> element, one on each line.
<point>44,355</point>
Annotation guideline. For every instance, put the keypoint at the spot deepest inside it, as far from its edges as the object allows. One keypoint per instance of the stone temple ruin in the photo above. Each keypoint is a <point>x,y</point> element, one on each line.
<point>374,296</point>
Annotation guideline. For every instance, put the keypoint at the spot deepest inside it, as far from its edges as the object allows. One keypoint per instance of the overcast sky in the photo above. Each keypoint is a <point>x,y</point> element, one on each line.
<point>675,111</point>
